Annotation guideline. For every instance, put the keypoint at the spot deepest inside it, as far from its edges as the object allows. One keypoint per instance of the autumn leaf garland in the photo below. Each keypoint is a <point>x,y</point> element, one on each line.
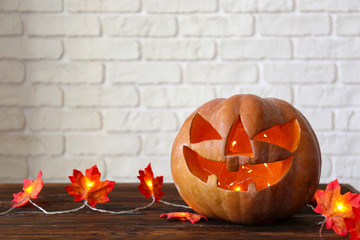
<point>342,212</point>
<point>89,187</point>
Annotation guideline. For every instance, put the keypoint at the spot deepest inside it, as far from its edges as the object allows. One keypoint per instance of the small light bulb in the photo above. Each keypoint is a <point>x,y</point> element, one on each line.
<point>249,171</point>
<point>29,189</point>
<point>265,165</point>
<point>237,188</point>
<point>233,143</point>
<point>340,207</point>
<point>265,135</point>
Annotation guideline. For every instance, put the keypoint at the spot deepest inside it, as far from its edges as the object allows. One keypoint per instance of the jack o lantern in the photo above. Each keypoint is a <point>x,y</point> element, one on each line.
<point>246,159</point>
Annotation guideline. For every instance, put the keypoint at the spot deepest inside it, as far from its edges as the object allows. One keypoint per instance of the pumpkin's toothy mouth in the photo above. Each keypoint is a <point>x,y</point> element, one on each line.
<point>263,175</point>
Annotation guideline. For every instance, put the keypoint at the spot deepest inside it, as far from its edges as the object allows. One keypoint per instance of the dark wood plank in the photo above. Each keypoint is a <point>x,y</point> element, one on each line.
<point>29,223</point>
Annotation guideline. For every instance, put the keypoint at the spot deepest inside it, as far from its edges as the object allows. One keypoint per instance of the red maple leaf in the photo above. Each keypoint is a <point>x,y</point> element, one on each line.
<point>89,187</point>
<point>150,186</point>
<point>353,225</point>
<point>336,207</point>
<point>192,217</point>
<point>31,191</point>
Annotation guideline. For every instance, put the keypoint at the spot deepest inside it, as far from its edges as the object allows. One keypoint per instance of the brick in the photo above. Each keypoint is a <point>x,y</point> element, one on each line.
<point>298,72</point>
<point>12,120</point>
<point>143,73</point>
<point>236,6</point>
<point>327,48</point>
<point>31,6</point>
<point>12,72</point>
<point>21,48</point>
<point>183,114</point>
<point>125,96</point>
<point>329,5</point>
<point>327,96</point>
<point>347,119</point>
<point>31,145</point>
<point>342,118</point>
<point>179,50</point>
<point>320,119</point>
<point>102,49</point>
<point>292,25</point>
<point>62,25</point>
<point>50,167</point>
<point>65,73</point>
<point>158,144</point>
<point>349,72</point>
<point>123,169</point>
<point>101,144</point>
<point>64,120</point>
<point>140,26</point>
<point>160,97</point>
<point>282,92</point>
<point>216,26</point>
<point>348,25</point>
<point>30,96</point>
<point>344,143</point>
<point>16,169</point>
<point>221,73</point>
<point>144,121</point>
<point>10,25</point>
<point>326,166</point>
<point>256,49</point>
<point>275,5</point>
<point>348,167</point>
<point>115,6</point>
<point>180,6</point>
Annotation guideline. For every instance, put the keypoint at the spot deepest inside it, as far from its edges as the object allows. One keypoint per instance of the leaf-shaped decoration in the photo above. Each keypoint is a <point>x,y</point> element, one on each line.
<point>150,186</point>
<point>89,187</point>
<point>31,191</point>
<point>192,217</point>
<point>336,207</point>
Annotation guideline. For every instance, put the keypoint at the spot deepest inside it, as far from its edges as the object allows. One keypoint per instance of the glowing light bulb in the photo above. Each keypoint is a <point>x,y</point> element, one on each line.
<point>242,167</point>
<point>233,143</point>
<point>29,189</point>
<point>149,184</point>
<point>268,184</point>
<point>89,183</point>
<point>265,135</point>
<point>237,188</point>
<point>340,207</point>
<point>265,165</point>
<point>249,171</point>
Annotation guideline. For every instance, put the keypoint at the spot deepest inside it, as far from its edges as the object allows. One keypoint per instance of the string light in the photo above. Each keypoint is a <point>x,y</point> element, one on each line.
<point>29,189</point>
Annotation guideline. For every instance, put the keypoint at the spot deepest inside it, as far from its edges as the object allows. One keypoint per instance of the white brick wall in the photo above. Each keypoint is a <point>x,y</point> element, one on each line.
<point>111,81</point>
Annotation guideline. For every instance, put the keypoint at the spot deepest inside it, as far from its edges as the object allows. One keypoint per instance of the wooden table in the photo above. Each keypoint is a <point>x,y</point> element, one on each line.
<point>29,223</point>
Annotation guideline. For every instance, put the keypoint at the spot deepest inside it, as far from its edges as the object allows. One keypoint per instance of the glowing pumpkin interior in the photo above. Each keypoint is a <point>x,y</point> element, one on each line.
<point>238,143</point>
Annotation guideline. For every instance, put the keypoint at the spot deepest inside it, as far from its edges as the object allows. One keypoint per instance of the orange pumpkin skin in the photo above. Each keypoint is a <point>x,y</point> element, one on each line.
<point>279,200</point>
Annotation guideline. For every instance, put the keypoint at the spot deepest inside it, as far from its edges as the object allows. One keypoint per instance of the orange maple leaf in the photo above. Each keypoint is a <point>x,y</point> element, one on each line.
<point>353,225</point>
<point>192,217</point>
<point>89,187</point>
<point>336,207</point>
<point>31,191</point>
<point>150,186</point>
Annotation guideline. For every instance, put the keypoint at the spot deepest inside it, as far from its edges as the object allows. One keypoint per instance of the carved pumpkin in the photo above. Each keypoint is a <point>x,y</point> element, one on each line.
<point>246,159</point>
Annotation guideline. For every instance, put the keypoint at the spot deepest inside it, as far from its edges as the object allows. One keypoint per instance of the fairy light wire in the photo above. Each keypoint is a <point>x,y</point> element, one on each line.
<point>58,212</point>
<point>174,205</point>
<point>121,212</point>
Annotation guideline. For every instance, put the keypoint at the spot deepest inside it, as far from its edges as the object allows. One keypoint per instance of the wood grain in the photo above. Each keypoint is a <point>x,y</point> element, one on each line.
<point>29,223</point>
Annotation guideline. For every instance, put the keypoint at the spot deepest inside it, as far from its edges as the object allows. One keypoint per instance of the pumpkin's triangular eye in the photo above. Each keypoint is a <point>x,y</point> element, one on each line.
<point>238,142</point>
<point>285,135</point>
<point>201,130</point>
